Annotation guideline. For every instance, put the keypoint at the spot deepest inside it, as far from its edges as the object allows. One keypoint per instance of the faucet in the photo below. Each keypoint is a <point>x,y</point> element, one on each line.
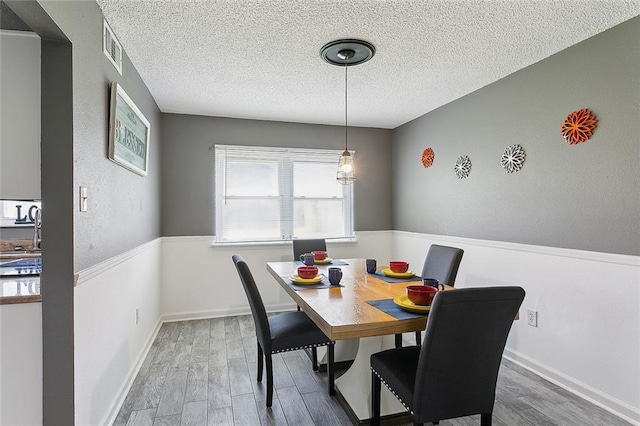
<point>37,229</point>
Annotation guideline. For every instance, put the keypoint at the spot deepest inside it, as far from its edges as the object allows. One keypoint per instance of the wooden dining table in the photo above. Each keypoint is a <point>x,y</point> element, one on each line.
<point>342,312</point>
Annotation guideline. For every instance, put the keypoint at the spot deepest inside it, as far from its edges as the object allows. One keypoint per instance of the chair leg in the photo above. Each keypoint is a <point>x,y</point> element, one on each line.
<point>260,361</point>
<point>376,386</point>
<point>331,368</point>
<point>314,358</point>
<point>398,340</point>
<point>269,380</point>
<point>485,419</point>
<point>418,338</point>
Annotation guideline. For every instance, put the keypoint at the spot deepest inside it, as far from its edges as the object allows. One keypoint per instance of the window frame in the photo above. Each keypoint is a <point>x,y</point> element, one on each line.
<point>286,157</point>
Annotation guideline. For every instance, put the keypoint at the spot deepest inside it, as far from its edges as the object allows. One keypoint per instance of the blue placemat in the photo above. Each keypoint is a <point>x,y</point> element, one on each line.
<point>388,306</point>
<point>322,284</point>
<point>334,262</point>
<point>383,277</point>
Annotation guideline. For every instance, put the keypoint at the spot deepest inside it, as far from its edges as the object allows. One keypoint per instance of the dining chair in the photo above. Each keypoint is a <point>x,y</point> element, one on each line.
<point>454,372</point>
<point>441,263</point>
<point>301,247</point>
<point>287,331</point>
<point>307,246</point>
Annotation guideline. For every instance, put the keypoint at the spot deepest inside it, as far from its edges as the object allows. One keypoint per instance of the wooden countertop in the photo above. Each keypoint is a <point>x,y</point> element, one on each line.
<point>15,290</point>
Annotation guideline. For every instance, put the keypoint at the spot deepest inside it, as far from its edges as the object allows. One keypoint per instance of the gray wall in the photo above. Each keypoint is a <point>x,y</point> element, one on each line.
<point>585,196</point>
<point>124,208</point>
<point>187,166</point>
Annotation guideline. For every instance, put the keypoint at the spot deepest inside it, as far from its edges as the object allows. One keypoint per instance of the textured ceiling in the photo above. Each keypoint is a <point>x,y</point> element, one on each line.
<point>260,59</point>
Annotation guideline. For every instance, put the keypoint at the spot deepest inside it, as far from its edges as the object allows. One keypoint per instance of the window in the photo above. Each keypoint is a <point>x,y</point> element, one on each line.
<point>269,194</point>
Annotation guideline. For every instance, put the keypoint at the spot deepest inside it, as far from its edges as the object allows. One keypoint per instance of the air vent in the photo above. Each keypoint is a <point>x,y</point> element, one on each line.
<point>111,46</point>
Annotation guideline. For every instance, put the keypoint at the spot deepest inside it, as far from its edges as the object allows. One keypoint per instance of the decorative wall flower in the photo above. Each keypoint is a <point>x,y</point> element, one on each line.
<point>462,167</point>
<point>427,157</point>
<point>578,126</point>
<point>513,158</point>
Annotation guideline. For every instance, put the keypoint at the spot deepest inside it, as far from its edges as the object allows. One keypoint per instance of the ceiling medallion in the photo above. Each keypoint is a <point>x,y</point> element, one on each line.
<point>578,126</point>
<point>427,157</point>
<point>513,158</point>
<point>462,167</point>
<point>346,53</point>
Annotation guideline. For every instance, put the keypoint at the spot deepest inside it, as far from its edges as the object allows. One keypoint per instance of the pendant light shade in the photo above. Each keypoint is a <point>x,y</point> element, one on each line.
<point>346,53</point>
<point>346,172</point>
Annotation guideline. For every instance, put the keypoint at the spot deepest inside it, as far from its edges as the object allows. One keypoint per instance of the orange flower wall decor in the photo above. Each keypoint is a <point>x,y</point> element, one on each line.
<point>428,157</point>
<point>578,126</point>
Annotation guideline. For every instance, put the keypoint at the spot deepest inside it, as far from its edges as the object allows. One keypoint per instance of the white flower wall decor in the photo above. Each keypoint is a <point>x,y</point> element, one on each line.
<point>462,167</point>
<point>513,158</point>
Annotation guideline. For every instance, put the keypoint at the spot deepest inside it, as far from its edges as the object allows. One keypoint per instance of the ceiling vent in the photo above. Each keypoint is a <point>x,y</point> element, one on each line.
<point>111,46</point>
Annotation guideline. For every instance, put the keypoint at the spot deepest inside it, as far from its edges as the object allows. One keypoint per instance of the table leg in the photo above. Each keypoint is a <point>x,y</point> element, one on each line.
<point>355,383</point>
<point>344,350</point>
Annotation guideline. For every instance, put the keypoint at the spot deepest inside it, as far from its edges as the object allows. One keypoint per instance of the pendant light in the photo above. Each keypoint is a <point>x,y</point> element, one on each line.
<point>346,52</point>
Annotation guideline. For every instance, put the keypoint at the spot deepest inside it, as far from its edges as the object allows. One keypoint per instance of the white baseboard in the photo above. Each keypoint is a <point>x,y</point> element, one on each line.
<point>614,406</point>
<point>114,409</point>
<point>219,313</point>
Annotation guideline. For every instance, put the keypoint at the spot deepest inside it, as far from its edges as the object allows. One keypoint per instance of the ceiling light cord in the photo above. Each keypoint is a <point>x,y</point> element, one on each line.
<point>346,123</point>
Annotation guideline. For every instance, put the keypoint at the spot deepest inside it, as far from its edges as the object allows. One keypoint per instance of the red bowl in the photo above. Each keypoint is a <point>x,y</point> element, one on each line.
<point>319,255</point>
<point>398,266</point>
<point>421,294</point>
<point>307,272</point>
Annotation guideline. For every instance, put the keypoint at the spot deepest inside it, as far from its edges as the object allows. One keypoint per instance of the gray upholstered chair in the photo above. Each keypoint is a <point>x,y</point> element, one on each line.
<point>307,246</point>
<point>454,372</point>
<point>301,247</point>
<point>441,263</point>
<point>287,331</point>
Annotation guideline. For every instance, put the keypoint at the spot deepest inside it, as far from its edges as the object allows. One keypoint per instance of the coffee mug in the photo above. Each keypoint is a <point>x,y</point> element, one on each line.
<point>307,259</point>
<point>335,275</point>
<point>371,266</point>
<point>431,282</point>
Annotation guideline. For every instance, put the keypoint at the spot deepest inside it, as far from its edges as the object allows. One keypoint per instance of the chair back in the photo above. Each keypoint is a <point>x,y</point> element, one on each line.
<point>307,246</point>
<point>442,263</point>
<point>259,313</point>
<point>461,352</point>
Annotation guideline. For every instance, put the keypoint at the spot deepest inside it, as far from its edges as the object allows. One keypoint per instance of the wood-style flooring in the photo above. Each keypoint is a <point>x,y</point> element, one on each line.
<point>203,373</point>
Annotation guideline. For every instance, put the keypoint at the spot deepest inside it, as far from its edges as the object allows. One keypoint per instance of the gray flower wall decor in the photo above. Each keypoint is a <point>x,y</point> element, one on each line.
<point>462,167</point>
<point>513,158</point>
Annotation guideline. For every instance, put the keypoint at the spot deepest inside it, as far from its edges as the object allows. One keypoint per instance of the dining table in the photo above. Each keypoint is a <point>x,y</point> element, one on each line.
<point>362,306</point>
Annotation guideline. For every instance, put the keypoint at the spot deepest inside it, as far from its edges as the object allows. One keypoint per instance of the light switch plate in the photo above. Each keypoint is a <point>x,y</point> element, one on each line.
<point>83,199</point>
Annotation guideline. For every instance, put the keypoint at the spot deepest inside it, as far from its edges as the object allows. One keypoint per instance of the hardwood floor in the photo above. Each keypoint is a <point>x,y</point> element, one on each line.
<point>203,373</point>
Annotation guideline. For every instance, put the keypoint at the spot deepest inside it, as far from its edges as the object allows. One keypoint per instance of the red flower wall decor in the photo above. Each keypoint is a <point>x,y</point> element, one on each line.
<point>428,157</point>
<point>578,126</point>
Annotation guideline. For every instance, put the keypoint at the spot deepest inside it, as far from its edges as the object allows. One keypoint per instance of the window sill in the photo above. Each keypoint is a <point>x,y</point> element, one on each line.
<point>276,243</point>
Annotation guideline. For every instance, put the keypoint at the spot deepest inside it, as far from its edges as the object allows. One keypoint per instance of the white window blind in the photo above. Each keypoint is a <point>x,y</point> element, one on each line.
<point>269,194</point>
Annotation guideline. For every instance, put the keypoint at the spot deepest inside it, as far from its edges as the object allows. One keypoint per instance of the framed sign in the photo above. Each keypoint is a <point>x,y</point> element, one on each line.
<point>128,133</point>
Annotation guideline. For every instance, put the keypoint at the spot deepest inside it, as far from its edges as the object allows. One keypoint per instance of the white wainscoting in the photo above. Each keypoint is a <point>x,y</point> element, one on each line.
<point>588,334</point>
<point>21,364</point>
<point>588,304</point>
<point>109,345</point>
<point>200,280</point>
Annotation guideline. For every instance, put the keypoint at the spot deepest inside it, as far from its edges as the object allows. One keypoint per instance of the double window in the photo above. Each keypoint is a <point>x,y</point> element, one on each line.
<point>269,194</point>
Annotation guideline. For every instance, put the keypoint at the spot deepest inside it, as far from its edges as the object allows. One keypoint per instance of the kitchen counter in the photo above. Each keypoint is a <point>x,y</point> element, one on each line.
<point>19,289</point>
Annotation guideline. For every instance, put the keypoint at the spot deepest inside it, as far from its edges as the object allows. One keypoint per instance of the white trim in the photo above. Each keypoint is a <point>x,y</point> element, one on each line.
<point>102,267</point>
<point>19,33</point>
<point>584,391</point>
<point>620,259</point>
<point>116,404</point>
<point>220,313</point>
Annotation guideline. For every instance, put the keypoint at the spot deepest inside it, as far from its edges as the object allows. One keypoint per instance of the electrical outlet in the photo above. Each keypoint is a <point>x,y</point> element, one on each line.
<point>532,317</point>
<point>137,315</point>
